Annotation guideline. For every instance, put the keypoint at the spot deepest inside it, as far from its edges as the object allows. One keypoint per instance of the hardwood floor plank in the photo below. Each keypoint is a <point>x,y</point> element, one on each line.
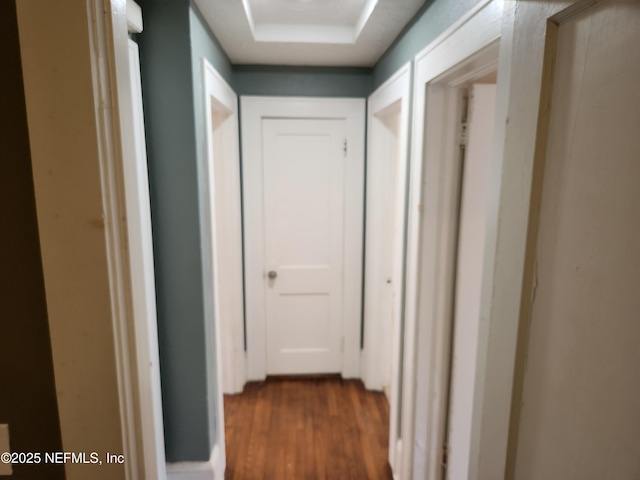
<point>307,428</point>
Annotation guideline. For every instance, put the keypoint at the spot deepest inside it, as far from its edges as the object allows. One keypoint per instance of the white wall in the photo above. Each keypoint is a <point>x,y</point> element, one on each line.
<point>580,417</point>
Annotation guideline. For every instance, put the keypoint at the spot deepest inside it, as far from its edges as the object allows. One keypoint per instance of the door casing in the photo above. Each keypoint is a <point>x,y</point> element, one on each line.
<point>223,170</point>
<point>469,49</point>
<point>253,110</point>
<point>85,145</point>
<point>381,350</point>
<point>221,120</point>
<point>137,201</point>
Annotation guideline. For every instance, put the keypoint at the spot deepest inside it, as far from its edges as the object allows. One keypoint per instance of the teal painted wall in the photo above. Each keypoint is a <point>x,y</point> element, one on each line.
<point>173,37</point>
<point>302,81</point>
<point>204,44</point>
<point>432,20</point>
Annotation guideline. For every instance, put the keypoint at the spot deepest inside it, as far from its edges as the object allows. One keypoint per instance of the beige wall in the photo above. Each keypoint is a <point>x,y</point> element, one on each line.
<point>27,390</point>
<point>580,415</point>
<point>54,40</point>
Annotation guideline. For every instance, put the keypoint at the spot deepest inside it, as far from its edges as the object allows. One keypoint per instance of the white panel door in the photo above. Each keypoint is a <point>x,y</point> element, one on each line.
<point>471,239</point>
<point>304,231</point>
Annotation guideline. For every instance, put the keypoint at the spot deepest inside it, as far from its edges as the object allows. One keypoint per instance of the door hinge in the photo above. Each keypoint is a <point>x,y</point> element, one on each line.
<point>464,134</point>
<point>445,457</point>
<point>344,147</point>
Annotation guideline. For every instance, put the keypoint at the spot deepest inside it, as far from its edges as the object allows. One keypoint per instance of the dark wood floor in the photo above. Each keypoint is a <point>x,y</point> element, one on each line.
<point>307,429</point>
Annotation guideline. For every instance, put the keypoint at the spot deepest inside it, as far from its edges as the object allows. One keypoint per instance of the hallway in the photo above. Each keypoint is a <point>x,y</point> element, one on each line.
<point>212,195</point>
<point>319,428</point>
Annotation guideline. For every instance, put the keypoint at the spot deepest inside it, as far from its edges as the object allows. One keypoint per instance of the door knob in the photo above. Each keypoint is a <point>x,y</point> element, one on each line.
<point>272,274</point>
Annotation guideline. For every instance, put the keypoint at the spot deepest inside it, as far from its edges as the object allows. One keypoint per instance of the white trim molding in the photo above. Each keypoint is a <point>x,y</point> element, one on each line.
<point>213,469</point>
<point>431,246</point>
<point>140,244</point>
<point>134,17</point>
<point>381,355</point>
<point>253,110</point>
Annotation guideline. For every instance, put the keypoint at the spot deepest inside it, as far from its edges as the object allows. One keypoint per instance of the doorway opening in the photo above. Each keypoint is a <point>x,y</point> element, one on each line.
<point>459,109</point>
<point>387,179</point>
<point>224,267</point>
<point>476,111</point>
<point>303,190</point>
<point>384,239</point>
<point>227,241</point>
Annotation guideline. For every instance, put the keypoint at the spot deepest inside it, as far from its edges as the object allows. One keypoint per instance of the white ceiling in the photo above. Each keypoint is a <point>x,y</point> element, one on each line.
<point>291,12</point>
<point>307,32</point>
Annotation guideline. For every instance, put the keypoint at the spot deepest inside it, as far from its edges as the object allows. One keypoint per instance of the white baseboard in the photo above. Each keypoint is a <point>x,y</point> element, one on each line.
<point>211,470</point>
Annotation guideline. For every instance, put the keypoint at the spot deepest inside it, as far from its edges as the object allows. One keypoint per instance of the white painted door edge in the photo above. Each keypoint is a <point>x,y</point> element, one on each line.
<point>213,469</point>
<point>478,29</point>
<point>140,243</point>
<point>253,109</point>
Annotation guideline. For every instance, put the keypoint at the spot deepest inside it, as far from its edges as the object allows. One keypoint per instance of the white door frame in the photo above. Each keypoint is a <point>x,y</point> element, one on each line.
<point>470,45</point>
<point>136,180</point>
<point>440,230</point>
<point>220,97</point>
<point>395,91</point>
<point>525,79</point>
<point>79,161</point>
<point>253,110</point>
